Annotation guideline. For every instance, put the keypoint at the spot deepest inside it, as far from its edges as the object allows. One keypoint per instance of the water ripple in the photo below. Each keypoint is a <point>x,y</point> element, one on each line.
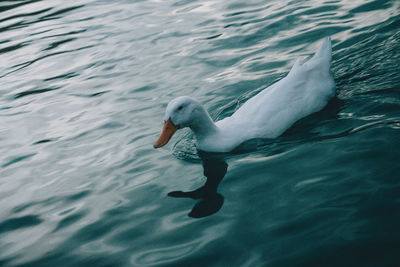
<point>84,89</point>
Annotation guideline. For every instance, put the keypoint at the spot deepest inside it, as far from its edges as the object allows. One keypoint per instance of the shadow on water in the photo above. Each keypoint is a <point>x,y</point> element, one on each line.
<point>304,131</point>
<point>215,164</point>
<point>215,168</point>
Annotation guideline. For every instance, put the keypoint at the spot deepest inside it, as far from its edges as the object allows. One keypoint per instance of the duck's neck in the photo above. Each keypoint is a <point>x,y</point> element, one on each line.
<point>202,125</point>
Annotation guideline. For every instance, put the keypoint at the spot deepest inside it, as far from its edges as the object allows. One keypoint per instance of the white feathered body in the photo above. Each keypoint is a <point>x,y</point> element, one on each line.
<point>305,90</point>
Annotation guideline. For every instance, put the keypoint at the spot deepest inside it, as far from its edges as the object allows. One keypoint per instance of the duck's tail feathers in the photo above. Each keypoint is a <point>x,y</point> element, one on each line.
<point>325,50</point>
<point>296,65</point>
<point>322,58</point>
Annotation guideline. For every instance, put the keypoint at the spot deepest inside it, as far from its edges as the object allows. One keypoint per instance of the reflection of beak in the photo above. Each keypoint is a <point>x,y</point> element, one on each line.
<point>167,132</point>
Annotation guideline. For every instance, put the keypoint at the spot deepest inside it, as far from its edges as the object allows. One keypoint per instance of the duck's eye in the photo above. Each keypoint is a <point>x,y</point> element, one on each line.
<point>180,108</point>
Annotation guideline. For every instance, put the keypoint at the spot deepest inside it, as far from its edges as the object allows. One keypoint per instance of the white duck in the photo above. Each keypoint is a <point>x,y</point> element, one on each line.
<point>305,90</point>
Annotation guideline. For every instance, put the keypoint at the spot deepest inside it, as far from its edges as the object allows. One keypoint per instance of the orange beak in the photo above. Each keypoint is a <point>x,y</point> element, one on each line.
<point>167,132</point>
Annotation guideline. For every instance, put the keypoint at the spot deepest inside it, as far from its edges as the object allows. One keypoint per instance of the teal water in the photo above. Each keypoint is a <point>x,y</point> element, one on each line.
<point>84,86</point>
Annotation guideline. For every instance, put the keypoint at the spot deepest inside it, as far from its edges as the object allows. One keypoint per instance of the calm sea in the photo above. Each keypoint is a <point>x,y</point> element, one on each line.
<point>83,89</point>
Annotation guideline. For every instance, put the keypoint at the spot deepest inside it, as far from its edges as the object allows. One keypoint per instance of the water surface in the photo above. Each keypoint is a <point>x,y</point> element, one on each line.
<point>84,86</point>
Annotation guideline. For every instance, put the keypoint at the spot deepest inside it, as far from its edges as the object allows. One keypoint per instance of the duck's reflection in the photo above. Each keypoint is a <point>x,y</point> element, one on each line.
<point>211,201</point>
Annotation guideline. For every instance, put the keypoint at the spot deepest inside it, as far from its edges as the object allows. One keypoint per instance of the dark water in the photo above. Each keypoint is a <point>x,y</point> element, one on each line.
<point>84,85</point>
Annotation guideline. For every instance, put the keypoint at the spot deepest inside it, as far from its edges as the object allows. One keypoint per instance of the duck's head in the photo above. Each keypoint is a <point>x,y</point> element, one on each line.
<point>180,113</point>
